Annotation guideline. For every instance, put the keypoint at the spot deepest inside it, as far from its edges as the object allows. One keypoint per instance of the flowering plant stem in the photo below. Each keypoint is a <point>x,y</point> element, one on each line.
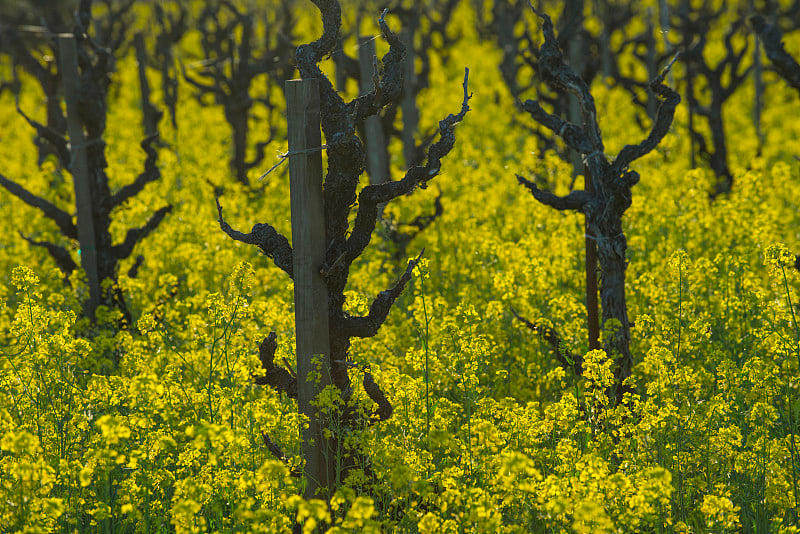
<point>792,416</point>
<point>426,345</point>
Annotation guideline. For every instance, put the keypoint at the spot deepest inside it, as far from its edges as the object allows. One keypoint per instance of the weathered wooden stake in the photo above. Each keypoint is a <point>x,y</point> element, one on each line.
<point>605,51</point>
<point>652,62</point>
<point>150,115</point>
<point>310,289</point>
<point>80,169</point>
<point>663,12</point>
<point>574,110</point>
<point>685,8</point>
<point>409,104</point>
<point>340,71</point>
<point>758,82</point>
<point>376,146</point>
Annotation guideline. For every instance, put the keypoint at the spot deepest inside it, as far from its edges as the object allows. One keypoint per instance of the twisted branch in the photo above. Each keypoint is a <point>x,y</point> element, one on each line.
<point>772,38</point>
<point>150,174</point>
<point>62,219</point>
<point>134,235</point>
<point>368,326</point>
<point>276,377</point>
<point>575,200</point>
<point>60,254</point>
<point>372,195</point>
<point>273,244</point>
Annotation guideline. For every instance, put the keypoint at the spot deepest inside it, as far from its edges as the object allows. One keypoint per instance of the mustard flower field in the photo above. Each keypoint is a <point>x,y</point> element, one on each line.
<point>154,416</point>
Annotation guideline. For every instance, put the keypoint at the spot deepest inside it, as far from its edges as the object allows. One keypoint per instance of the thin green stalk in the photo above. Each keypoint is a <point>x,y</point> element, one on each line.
<point>726,270</point>
<point>147,502</point>
<point>678,444</point>
<point>793,453</point>
<point>211,365</point>
<point>680,310</point>
<point>107,528</point>
<point>791,309</point>
<point>196,379</point>
<point>210,375</point>
<point>227,334</point>
<point>468,402</point>
<point>792,425</point>
<point>427,365</point>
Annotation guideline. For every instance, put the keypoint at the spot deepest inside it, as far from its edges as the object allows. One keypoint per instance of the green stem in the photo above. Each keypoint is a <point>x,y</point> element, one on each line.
<point>791,308</point>
<point>680,310</point>
<point>468,402</point>
<point>792,425</point>
<point>427,366</point>
<point>210,373</point>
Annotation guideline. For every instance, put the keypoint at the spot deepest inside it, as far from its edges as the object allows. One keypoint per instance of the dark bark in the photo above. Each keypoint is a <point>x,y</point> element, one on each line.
<point>520,50</point>
<point>172,27</point>
<point>346,160</point>
<point>642,46</point>
<point>14,85</point>
<point>612,181</point>
<point>151,173</point>
<point>133,272</point>
<point>692,25</point>
<point>278,454</point>
<point>49,139</point>
<point>368,325</point>
<point>772,38</point>
<point>60,255</point>
<point>506,15</point>
<point>282,381</point>
<point>95,66</point>
<point>575,200</point>
<point>43,67</point>
<point>62,219</point>
<point>150,114</point>
<point>276,377</point>
<point>401,239</point>
<point>273,244</point>
<point>435,16</point>
<point>110,31</point>
<point>134,235</point>
<point>230,65</point>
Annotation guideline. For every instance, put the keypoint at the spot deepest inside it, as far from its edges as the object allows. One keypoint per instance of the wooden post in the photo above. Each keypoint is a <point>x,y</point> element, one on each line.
<point>605,51</point>
<point>80,169</point>
<point>684,9</point>
<point>663,11</point>
<point>574,109</point>
<point>758,82</point>
<point>340,72</point>
<point>310,289</point>
<point>652,67</point>
<point>150,115</point>
<point>409,104</point>
<point>376,147</point>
